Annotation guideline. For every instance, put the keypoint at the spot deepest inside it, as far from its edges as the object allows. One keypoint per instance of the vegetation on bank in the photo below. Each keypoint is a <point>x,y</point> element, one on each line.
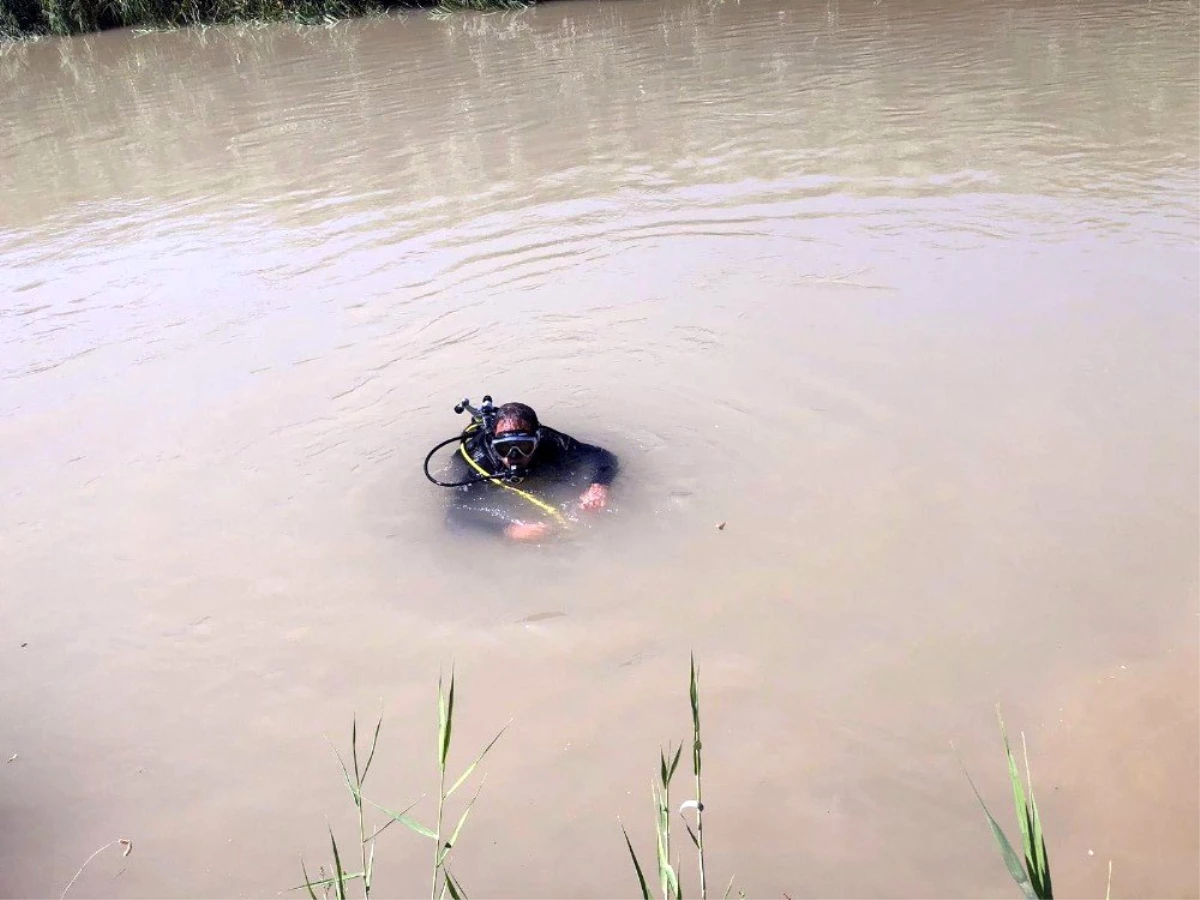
<point>31,18</point>
<point>1029,865</point>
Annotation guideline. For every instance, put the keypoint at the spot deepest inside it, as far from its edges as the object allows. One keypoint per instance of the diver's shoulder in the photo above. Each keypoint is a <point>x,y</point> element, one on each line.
<point>560,438</point>
<point>553,434</point>
<point>570,442</point>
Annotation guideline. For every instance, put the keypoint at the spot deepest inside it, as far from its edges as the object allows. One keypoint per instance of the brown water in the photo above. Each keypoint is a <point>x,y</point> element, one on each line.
<point>904,292</point>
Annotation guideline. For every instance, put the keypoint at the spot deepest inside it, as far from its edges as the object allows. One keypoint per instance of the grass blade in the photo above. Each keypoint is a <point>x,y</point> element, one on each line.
<point>1040,872</point>
<point>471,768</point>
<point>404,820</point>
<point>354,749</point>
<point>1018,796</point>
<point>694,696</point>
<point>374,744</point>
<point>441,722</point>
<point>445,722</point>
<point>390,822</point>
<point>355,794</point>
<point>309,885</point>
<point>671,882</point>
<point>674,765</point>
<point>1033,841</point>
<point>456,891</point>
<point>663,843</point>
<point>449,845</point>
<point>327,882</point>
<point>1108,887</point>
<point>1011,860</point>
<point>667,877</point>
<point>728,888</point>
<point>636,865</point>
<point>339,873</point>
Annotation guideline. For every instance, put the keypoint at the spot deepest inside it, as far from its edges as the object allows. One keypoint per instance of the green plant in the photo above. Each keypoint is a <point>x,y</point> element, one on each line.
<point>1032,872</point>
<point>1030,869</point>
<point>668,872</point>
<point>441,875</point>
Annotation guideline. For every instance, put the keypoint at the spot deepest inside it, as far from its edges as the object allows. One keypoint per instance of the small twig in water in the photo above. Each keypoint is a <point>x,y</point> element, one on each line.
<point>124,842</point>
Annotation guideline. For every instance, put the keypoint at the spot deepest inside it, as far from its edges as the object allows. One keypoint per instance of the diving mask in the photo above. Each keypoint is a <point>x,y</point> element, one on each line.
<point>515,448</point>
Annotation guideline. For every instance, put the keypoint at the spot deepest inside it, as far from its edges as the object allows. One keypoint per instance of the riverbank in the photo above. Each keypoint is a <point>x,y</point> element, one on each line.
<point>33,18</point>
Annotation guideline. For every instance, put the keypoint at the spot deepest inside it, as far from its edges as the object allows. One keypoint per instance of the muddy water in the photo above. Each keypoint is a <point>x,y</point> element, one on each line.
<point>904,293</point>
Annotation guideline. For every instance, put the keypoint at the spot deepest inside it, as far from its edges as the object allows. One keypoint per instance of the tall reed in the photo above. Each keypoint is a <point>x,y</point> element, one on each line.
<point>669,872</point>
<point>1031,870</point>
<point>442,881</point>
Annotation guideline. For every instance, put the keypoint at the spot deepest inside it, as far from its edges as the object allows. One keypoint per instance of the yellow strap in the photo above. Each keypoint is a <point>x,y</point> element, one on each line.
<point>542,505</point>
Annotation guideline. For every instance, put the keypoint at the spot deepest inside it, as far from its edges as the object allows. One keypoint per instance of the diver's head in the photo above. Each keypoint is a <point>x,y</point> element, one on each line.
<point>516,434</point>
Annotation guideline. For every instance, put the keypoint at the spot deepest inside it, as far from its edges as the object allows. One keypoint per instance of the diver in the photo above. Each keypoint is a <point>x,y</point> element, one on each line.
<point>517,477</point>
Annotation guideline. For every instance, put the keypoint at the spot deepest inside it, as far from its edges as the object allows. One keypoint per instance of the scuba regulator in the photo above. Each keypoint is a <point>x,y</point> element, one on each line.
<point>483,422</point>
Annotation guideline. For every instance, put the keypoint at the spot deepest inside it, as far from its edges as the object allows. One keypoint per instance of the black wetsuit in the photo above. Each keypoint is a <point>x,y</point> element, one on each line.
<point>562,468</point>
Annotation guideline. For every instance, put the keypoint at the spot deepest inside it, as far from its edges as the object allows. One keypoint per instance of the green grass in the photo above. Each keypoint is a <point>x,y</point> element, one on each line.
<point>669,871</point>
<point>1030,868</point>
<point>444,841</point>
<point>31,18</point>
